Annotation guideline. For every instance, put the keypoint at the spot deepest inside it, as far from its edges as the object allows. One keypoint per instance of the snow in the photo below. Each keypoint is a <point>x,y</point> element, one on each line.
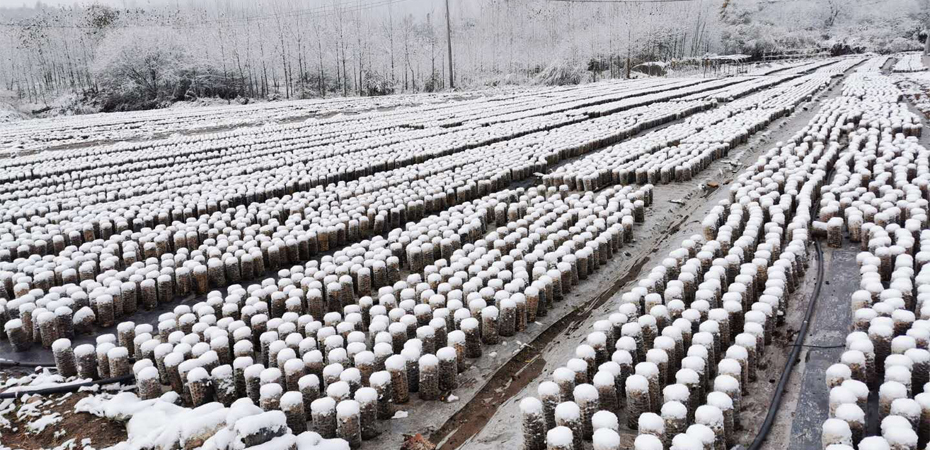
<point>395,363</point>
<point>874,443</point>
<point>637,383</point>
<point>455,337</point>
<point>531,405</point>
<point>563,374</point>
<point>837,428</point>
<point>838,372</point>
<point>155,422</point>
<point>365,357</point>
<point>82,350</point>
<point>577,365</point>
<point>200,428</point>
<point>730,365</point>
<point>380,378</point>
<point>686,442</point>
<point>839,447</point>
<point>313,357</point>
<point>469,324</point>
<point>446,354</point>
<point>37,426</point>
<point>892,422</point>
<point>347,408</point>
<point>175,359</point>
<point>330,371</point>
<point>339,389</point>
<point>585,393</point>
<point>853,357</point>
<point>892,389</point>
<point>61,345</point>
<point>646,442</point>
<point>41,379</point>
<point>604,378</point>
<point>559,436</point>
<point>366,395</point>
<point>240,408</point>
<point>584,352</point>
<point>428,360</point>
<point>323,404</point>
<point>622,357</point>
<point>197,374</point>
<point>647,369</point>
<point>651,422</point>
<point>400,415</point>
<point>148,373</point>
<point>351,375</point>
<point>881,331</point>
<point>860,389</point>
<point>851,413</point>
<point>291,399</point>
<point>568,411</point>
<point>701,432</point>
<point>726,383</point>
<point>677,410</point>
<point>548,388</point>
<point>709,415</point>
<point>900,437</point>
<point>308,440</point>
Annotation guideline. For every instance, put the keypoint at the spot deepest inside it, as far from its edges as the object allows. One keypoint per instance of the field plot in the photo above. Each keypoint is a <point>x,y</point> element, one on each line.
<point>622,264</point>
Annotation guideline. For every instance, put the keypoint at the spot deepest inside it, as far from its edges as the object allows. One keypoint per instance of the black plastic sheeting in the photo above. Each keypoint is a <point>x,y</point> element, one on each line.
<point>829,327</point>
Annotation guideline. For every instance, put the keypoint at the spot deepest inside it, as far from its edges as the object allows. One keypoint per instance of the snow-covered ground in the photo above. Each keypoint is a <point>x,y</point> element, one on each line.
<point>344,273</point>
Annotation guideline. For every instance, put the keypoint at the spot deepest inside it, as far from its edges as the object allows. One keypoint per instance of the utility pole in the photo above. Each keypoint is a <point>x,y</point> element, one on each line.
<point>629,40</point>
<point>449,45</point>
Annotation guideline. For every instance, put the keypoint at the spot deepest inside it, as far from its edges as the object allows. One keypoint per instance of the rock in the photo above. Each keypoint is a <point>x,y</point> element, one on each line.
<point>417,442</point>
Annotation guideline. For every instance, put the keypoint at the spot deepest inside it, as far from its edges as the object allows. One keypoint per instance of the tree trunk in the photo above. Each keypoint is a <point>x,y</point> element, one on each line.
<point>927,43</point>
<point>391,42</point>
<point>322,72</point>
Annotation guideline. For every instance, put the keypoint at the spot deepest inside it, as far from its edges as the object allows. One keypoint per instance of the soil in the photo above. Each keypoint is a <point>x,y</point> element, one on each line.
<point>81,430</point>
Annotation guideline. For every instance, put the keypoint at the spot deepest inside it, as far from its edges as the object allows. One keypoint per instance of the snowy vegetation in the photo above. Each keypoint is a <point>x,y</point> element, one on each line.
<point>88,58</point>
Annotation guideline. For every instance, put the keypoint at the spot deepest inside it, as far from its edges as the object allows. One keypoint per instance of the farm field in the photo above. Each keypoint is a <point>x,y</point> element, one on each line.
<point>658,263</point>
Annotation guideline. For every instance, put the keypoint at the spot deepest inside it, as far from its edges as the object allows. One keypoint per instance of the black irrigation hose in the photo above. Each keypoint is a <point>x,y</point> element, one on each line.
<point>816,347</point>
<point>792,358</point>
<point>66,388</point>
<point>11,363</point>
